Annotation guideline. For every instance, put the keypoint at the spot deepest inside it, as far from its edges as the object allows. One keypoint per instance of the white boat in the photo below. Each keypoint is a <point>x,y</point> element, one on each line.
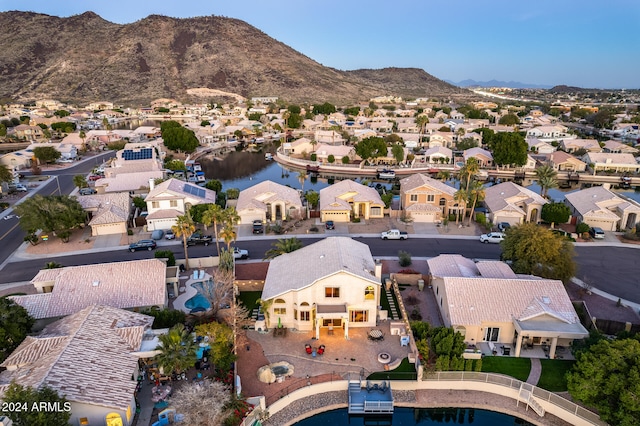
<point>386,174</point>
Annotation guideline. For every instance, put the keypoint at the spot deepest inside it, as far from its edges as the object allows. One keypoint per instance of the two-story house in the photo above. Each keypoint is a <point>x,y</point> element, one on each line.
<point>426,199</point>
<point>172,198</point>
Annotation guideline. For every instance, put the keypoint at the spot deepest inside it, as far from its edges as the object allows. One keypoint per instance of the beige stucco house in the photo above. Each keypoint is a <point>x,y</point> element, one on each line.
<point>333,283</point>
<point>599,207</point>
<point>426,199</point>
<point>511,203</point>
<point>484,157</point>
<point>268,201</point>
<point>346,199</point>
<point>172,198</point>
<point>133,284</point>
<point>565,162</point>
<point>615,162</point>
<point>489,304</point>
<point>109,213</point>
<point>90,357</point>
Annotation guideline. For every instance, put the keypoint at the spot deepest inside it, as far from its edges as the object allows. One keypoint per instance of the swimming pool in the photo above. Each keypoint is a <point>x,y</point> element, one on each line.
<point>404,416</point>
<point>198,302</point>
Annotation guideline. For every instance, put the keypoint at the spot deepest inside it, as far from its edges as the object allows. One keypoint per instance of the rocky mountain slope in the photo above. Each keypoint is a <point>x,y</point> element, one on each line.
<point>85,58</point>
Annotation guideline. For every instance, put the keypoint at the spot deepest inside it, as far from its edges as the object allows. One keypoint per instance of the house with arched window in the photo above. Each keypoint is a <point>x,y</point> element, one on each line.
<point>268,201</point>
<point>333,284</point>
<point>514,204</point>
<point>427,200</point>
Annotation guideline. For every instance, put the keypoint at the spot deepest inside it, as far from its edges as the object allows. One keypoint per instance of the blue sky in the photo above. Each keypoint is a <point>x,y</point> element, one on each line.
<point>586,43</point>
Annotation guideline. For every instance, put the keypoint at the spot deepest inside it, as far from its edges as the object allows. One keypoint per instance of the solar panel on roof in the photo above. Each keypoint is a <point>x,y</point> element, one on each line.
<point>143,154</point>
<point>194,190</point>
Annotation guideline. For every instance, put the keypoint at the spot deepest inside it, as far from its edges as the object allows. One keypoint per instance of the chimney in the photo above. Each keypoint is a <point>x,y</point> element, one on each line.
<point>378,269</point>
<point>152,184</point>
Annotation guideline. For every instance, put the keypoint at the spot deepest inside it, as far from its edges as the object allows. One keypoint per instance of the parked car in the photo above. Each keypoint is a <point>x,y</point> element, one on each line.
<point>18,187</point>
<point>169,235</point>
<point>503,226</point>
<point>142,245</point>
<point>87,191</point>
<point>329,225</point>
<point>258,228</point>
<point>596,233</point>
<point>157,234</point>
<point>198,238</point>
<point>240,254</point>
<point>492,237</point>
<point>94,178</point>
<point>394,234</point>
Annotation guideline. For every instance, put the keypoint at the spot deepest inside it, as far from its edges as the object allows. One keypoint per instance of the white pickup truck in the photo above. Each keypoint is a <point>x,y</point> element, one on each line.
<point>394,234</point>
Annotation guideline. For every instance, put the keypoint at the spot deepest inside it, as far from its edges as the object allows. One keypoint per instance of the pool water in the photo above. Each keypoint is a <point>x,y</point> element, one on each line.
<point>416,416</point>
<point>197,301</point>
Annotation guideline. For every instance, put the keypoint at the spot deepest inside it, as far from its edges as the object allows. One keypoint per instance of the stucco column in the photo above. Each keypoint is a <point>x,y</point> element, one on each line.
<point>318,328</point>
<point>346,328</point>
<point>175,288</point>
<point>518,345</point>
<point>552,349</point>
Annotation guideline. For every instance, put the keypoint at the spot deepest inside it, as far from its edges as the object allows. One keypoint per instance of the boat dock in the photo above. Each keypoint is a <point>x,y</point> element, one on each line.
<point>373,398</point>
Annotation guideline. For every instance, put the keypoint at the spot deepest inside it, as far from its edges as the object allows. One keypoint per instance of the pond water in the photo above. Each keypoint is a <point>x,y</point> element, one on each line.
<point>416,416</point>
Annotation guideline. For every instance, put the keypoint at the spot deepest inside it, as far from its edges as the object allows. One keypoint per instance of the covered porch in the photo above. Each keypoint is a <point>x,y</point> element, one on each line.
<point>552,337</point>
<point>333,318</point>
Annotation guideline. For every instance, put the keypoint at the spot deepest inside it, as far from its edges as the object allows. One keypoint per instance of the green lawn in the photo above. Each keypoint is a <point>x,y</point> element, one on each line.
<point>554,372</point>
<point>514,367</point>
<point>249,298</point>
<point>405,371</point>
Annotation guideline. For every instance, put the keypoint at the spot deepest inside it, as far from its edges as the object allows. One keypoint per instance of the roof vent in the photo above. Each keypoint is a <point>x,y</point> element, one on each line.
<point>322,256</point>
<point>546,300</point>
<point>95,283</point>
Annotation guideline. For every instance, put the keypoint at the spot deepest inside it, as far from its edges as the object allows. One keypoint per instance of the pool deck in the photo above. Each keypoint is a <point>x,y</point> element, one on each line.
<point>189,292</point>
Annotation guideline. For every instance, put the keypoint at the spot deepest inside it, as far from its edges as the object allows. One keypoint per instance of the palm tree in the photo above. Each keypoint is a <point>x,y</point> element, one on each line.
<point>184,228</point>
<point>461,198</point>
<point>421,121</point>
<point>52,265</point>
<point>178,350</point>
<point>6,175</point>
<point>302,176</point>
<point>477,194</point>
<point>469,170</point>
<point>80,181</point>
<point>230,219</point>
<point>213,215</point>
<point>83,136</point>
<point>547,179</point>
<point>283,245</point>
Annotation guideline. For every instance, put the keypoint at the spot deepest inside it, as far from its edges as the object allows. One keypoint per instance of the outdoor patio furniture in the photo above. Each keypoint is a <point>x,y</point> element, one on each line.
<point>308,349</point>
<point>376,334</point>
<point>331,330</point>
<point>321,350</point>
<point>506,350</point>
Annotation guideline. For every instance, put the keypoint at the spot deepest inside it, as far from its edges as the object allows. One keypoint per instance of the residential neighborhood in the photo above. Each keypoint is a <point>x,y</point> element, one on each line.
<point>329,305</point>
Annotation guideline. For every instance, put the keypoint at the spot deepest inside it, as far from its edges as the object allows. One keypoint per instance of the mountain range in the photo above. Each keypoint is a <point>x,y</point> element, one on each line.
<point>498,83</point>
<point>85,58</point>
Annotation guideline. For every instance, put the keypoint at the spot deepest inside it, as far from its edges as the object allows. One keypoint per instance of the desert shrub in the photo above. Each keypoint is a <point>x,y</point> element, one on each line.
<point>404,258</point>
<point>166,254</point>
<point>582,227</point>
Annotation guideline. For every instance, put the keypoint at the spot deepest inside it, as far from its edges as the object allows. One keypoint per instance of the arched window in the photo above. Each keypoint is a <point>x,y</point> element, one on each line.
<point>305,314</point>
<point>279,301</point>
<point>279,310</point>
<point>369,293</point>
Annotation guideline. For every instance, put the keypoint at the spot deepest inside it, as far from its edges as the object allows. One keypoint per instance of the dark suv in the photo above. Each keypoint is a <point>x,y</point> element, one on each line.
<point>258,228</point>
<point>329,225</point>
<point>142,245</point>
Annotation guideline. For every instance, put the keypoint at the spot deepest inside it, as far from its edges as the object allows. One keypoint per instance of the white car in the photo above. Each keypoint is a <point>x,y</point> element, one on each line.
<point>240,254</point>
<point>492,237</point>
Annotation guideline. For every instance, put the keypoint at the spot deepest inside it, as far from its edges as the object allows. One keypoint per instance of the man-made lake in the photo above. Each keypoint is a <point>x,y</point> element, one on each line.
<point>244,169</point>
<point>404,416</point>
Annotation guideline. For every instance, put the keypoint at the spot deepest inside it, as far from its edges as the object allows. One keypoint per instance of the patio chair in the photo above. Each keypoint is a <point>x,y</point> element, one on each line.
<point>321,350</point>
<point>308,349</point>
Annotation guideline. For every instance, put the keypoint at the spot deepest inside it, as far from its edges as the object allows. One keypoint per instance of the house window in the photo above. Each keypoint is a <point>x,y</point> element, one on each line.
<point>305,316</point>
<point>376,211</point>
<point>295,314</point>
<point>278,309</point>
<point>83,421</point>
<point>155,204</point>
<point>414,197</point>
<point>333,292</point>
<point>359,316</point>
<point>443,202</point>
<point>431,198</point>
<point>491,334</point>
<point>369,293</point>
<point>173,203</point>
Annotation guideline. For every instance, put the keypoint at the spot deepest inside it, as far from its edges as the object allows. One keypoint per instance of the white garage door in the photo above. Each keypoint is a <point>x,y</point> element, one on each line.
<point>424,217</point>
<point>513,221</point>
<point>335,216</point>
<point>248,218</point>
<point>605,225</point>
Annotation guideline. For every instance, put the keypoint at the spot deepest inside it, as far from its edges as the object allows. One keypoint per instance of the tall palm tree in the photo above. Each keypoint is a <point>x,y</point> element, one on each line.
<point>184,228</point>
<point>469,170</point>
<point>213,215</point>
<point>421,121</point>
<point>477,194</point>
<point>283,245</point>
<point>547,179</point>
<point>230,218</point>
<point>178,352</point>
<point>83,136</point>
<point>461,198</point>
<point>302,176</point>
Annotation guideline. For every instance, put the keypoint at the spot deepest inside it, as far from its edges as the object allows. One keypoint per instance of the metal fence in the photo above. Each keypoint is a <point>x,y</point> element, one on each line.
<point>510,382</point>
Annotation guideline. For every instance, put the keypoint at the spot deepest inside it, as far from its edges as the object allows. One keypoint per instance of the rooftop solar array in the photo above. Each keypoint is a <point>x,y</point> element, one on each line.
<point>143,154</point>
<point>194,190</point>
